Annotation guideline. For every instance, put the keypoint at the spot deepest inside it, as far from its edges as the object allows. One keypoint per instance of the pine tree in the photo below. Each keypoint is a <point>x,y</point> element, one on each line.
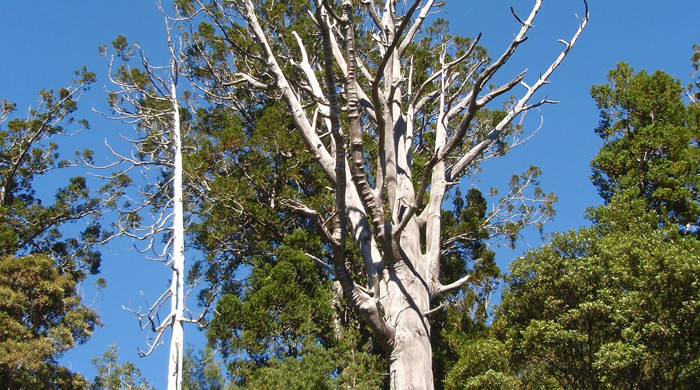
<point>41,317</point>
<point>112,375</point>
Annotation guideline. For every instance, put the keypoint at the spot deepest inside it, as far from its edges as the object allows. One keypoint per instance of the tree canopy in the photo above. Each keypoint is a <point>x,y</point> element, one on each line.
<point>388,112</point>
<point>616,305</point>
<point>112,375</point>
<point>322,161</point>
<point>41,317</point>
<point>650,143</point>
<point>41,258</point>
<point>28,151</point>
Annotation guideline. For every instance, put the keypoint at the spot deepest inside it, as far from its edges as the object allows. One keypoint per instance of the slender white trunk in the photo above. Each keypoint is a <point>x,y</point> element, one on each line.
<point>178,261</point>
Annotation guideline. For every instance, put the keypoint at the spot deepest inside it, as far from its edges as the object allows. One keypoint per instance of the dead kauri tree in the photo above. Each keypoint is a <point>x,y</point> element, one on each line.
<point>350,75</point>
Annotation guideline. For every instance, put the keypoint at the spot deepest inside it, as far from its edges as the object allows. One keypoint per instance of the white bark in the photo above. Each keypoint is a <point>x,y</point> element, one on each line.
<point>402,251</point>
<point>139,105</point>
<point>177,288</point>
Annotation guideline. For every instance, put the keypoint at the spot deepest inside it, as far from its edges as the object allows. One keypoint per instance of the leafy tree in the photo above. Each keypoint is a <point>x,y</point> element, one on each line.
<point>389,115</point>
<point>111,375</point>
<point>202,370</point>
<point>616,305</point>
<point>650,144</point>
<point>482,364</point>
<point>285,299</point>
<point>464,320</point>
<point>30,223</point>
<point>283,317</point>
<point>267,317</point>
<point>607,306</point>
<point>317,370</point>
<point>41,317</point>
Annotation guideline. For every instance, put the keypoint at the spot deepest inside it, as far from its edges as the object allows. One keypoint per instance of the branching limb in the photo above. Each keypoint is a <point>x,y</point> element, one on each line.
<point>322,264</point>
<point>415,27</point>
<point>371,6</point>
<point>472,105</point>
<point>314,144</point>
<point>315,87</point>
<point>367,194</point>
<point>520,107</point>
<point>355,210</point>
<point>441,289</point>
<point>435,310</point>
<point>315,218</point>
<point>149,320</point>
<point>38,128</point>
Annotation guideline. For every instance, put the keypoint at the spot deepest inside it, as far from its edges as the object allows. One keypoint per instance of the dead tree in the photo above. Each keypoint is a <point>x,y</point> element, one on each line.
<point>146,97</point>
<point>342,95</point>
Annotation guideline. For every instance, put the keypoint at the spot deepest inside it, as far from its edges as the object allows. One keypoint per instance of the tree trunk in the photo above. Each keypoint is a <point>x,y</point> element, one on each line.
<point>410,361</point>
<point>407,300</point>
<point>178,262</point>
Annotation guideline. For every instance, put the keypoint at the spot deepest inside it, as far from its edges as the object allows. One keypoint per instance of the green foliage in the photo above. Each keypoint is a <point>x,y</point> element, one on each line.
<point>611,305</point>
<point>40,318</point>
<point>482,364</point>
<point>29,222</point>
<point>202,371</point>
<point>460,335</point>
<point>346,365</point>
<point>312,372</point>
<point>617,305</point>
<point>279,308</point>
<point>468,255</point>
<point>284,321</point>
<point>285,311</point>
<point>254,162</point>
<point>466,232</point>
<point>111,375</point>
<point>651,143</point>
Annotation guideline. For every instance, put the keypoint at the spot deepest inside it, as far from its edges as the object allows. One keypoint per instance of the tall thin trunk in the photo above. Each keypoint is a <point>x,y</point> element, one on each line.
<point>178,261</point>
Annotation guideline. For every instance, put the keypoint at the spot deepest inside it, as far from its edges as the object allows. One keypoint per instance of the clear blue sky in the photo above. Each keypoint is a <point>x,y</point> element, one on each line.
<point>44,41</point>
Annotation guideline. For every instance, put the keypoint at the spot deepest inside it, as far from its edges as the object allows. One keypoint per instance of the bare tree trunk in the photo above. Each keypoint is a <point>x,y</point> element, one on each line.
<point>410,359</point>
<point>178,260</point>
<point>154,108</point>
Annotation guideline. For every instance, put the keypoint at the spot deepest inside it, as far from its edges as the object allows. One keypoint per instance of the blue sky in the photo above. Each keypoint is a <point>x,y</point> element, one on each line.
<point>44,41</point>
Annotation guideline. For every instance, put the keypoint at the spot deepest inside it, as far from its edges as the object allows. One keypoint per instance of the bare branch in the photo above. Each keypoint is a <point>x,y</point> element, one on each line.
<point>435,310</point>
<point>321,263</point>
<point>472,106</point>
<point>519,108</point>
<point>411,34</point>
<point>315,218</point>
<point>452,286</point>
